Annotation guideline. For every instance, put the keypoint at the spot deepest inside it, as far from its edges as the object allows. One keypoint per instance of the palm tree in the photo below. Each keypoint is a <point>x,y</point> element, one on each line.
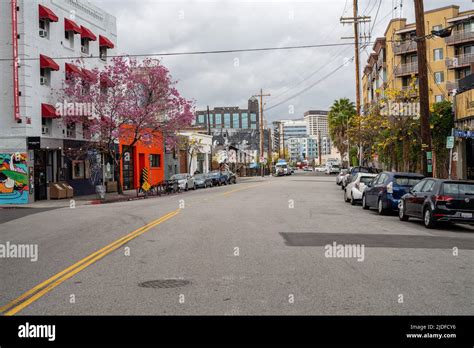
<point>340,113</point>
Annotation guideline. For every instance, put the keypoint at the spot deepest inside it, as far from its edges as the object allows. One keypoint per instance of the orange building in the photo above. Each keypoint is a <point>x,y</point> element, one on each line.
<point>139,156</point>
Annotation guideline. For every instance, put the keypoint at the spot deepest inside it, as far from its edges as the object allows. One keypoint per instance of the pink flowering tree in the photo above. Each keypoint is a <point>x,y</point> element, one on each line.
<point>127,102</point>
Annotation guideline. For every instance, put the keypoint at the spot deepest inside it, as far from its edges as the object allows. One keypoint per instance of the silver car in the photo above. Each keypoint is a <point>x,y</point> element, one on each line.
<point>185,181</point>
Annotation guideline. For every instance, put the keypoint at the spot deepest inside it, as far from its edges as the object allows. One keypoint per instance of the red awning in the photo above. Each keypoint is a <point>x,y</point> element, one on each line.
<point>46,13</point>
<point>71,26</point>
<point>104,42</point>
<point>106,81</point>
<point>48,63</point>
<point>89,75</point>
<point>87,34</point>
<point>74,70</point>
<point>48,111</point>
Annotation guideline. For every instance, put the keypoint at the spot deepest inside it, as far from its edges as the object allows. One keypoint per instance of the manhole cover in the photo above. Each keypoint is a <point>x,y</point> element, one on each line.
<point>164,283</point>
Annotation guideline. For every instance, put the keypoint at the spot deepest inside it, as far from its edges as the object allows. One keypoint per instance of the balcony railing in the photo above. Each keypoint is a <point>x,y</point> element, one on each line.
<point>450,85</point>
<point>413,92</point>
<point>460,36</point>
<point>406,69</point>
<point>460,61</point>
<point>404,47</point>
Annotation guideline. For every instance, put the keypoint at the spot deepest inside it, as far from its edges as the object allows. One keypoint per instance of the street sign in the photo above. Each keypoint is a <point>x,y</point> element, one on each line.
<point>450,142</point>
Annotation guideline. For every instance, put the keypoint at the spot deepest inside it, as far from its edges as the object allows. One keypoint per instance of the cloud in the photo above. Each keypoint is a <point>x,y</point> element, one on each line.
<point>147,26</point>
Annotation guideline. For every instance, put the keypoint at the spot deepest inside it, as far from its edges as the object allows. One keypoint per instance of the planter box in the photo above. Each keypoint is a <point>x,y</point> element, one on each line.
<point>111,186</point>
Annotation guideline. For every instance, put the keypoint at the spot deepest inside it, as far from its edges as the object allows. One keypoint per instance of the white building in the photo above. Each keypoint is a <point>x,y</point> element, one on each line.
<point>198,151</point>
<point>318,126</point>
<point>35,38</point>
<point>302,148</point>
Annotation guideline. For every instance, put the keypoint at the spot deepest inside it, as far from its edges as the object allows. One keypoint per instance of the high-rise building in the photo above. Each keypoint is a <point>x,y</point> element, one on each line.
<point>318,127</point>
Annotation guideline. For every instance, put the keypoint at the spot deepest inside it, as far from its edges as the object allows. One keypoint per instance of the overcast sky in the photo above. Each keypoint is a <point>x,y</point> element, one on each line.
<point>157,26</point>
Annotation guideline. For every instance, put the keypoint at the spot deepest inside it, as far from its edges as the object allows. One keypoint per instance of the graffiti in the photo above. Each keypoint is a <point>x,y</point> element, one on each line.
<point>95,167</point>
<point>13,178</point>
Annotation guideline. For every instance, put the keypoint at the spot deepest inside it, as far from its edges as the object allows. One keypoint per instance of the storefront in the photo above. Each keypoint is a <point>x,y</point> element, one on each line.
<point>464,132</point>
<point>137,157</point>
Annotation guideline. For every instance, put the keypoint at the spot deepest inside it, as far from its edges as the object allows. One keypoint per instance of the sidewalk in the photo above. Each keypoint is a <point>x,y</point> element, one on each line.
<point>113,197</point>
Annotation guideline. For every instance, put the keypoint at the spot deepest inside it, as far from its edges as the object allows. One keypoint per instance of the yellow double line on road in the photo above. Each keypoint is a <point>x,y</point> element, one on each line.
<point>40,290</point>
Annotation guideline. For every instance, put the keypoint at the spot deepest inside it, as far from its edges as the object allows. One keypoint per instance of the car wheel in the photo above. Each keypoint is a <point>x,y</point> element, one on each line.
<point>428,218</point>
<point>364,203</point>
<point>353,202</point>
<point>194,187</point>
<point>345,196</point>
<point>380,209</point>
<point>401,212</point>
<point>186,187</point>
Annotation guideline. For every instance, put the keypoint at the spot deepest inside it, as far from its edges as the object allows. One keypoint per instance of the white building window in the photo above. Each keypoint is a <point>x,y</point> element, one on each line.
<point>45,77</point>
<point>46,125</point>
<point>438,54</point>
<point>439,98</point>
<point>69,39</point>
<point>439,77</point>
<point>44,28</point>
<point>71,130</point>
<point>85,46</point>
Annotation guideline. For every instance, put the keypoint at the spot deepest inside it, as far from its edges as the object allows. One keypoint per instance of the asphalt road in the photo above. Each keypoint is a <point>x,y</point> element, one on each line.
<point>257,247</point>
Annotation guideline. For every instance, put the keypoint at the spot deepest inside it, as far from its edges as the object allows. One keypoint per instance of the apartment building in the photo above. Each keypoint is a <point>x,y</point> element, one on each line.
<point>35,38</point>
<point>283,130</point>
<point>318,127</point>
<point>394,61</point>
<point>303,148</point>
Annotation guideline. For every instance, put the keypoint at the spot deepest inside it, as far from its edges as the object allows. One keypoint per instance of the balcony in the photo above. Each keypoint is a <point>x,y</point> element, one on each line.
<point>463,60</point>
<point>404,47</point>
<point>460,36</point>
<point>450,85</point>
<point>406,69</point>
<point>410,91</point>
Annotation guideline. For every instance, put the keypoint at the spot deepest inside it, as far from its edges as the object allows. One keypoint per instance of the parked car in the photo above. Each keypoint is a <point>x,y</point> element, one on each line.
<point>202,181</point>
<point>333,169</point>
<point>354,170</point>
<point>307,169</point>
<point>231,178</point>
<point>320,169</point>
<point>217,178</point>
<point>386,189</point>
<point>340,175</point>
<point>185,181</point>
<point>353,191</point>
<point>439,200</point>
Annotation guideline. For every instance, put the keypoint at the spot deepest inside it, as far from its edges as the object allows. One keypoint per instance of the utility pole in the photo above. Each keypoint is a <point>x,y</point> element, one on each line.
<point>319,147</point>
<point>426,163</point>
<point>209,133</point>
<point>355,20</point>
<point>261,95</point>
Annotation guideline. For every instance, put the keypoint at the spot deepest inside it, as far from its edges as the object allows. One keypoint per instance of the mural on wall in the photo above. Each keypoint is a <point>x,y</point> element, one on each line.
<point>13,178</point>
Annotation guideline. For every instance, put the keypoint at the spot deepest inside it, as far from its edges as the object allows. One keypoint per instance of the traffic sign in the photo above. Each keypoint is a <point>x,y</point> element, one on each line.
<point>449,142</point>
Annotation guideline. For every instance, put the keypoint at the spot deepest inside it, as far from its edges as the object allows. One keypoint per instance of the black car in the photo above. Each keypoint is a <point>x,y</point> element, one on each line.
<point>202,181</point>
<point>231,178</point>
<point>439,200</point>
<point>386,189</point>
<point>217,178</point>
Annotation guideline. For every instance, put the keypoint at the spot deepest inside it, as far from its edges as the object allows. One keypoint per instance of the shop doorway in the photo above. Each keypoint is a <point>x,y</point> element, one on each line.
<point>128,168</point>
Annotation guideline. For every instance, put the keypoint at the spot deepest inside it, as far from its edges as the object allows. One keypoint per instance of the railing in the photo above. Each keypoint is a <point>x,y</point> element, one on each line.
<point>460,36</point>
<point>450,85</point>
<point>406,69</point>
<point>404,47</point>
<point>409,89</point>
<point>460,61</point>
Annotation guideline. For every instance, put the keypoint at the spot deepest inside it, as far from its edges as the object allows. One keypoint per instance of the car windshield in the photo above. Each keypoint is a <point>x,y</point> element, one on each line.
<point>458,188</point>
<point>407,181</point>
<point>366,179</point>
<point>178,177</point>
<point>200,176</point>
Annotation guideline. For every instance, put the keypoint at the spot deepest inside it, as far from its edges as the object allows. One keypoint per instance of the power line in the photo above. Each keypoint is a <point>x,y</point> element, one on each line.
<point>192,52</point>
<point>309,87</point>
